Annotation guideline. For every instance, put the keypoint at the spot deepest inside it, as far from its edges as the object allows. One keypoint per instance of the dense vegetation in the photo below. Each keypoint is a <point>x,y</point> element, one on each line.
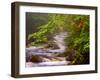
<point>77,41</point>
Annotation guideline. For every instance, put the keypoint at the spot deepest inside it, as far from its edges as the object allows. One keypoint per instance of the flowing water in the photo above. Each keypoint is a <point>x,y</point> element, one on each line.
<point>49,53</point>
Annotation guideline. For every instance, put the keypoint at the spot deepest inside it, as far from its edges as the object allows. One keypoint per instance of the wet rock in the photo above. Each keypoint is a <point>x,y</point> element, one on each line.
<point>52,45</point>
<point>36,59</point>
<point>70,55</point>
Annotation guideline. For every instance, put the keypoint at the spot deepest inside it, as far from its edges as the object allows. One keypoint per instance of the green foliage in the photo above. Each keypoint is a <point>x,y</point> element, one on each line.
<point>55,24</point>
<point>77,27</point>
<point>41,35</point>
<point>79,40</point>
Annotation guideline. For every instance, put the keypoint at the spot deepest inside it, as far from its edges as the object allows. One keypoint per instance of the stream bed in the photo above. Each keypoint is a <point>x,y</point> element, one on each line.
<point>41,56</point>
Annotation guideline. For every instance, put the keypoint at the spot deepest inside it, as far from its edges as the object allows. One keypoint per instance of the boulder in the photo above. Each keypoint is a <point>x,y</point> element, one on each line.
<point>36,59</point>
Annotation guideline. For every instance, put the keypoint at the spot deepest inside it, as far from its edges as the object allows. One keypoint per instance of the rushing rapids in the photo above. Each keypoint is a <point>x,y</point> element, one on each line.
<point>48,55</point>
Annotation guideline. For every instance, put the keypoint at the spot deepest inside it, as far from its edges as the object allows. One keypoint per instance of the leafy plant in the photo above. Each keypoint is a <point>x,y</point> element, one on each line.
<point>77,27</point>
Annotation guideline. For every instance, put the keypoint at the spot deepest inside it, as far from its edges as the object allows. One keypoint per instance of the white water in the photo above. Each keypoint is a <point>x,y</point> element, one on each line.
<point>40,50</point>
<point>56,63</point>
<point>58,39</point>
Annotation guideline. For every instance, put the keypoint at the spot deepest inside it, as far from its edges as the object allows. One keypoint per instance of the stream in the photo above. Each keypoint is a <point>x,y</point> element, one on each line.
<point>47,56</point>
